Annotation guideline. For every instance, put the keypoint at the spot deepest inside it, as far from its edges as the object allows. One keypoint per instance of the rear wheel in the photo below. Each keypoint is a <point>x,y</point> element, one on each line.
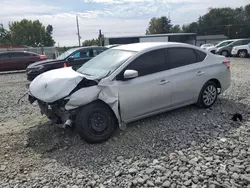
<point>242,53</point>
<point>96,123</point>
<point>208,95</point>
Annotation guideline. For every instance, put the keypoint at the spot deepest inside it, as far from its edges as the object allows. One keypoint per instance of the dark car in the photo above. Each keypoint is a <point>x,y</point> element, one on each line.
<point>74,58</point>
<point>18,60</point>
<point>226,50</point>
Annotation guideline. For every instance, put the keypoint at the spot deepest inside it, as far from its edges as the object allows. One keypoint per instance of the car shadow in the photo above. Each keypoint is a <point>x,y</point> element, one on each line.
<point>150,137</point>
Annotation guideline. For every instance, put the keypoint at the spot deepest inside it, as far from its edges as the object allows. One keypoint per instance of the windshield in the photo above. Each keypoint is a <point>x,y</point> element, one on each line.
<point>65,54</point>
<point>223,44</point>
<point>105,63</point>
<point>207,45</point>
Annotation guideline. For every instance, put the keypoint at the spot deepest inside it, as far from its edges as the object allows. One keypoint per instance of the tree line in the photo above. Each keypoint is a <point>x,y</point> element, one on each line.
<point>28,33</point>
<point>234,23</point>
<point>231,22</point>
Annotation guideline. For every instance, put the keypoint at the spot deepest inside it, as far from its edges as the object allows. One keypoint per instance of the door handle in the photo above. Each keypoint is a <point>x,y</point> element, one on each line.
<point>199,73</point>
<point>162,82</point>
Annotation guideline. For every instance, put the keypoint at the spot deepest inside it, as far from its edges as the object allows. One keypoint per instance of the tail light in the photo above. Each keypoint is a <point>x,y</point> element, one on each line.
<point>42,57</point>
<point>227,63</point>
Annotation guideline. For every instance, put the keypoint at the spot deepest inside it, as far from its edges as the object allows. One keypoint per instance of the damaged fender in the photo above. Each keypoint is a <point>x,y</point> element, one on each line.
<point>106,90</point>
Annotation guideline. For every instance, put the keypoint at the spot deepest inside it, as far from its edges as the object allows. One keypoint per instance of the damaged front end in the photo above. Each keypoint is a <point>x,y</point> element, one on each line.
<point>55,111</point>
<point>60,96</point>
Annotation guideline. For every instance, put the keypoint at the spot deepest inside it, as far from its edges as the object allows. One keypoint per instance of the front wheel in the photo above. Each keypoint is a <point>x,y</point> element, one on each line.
<point>96,123</point>
<point>208,95</point>
<point>242,54</point>
<point>225,53</point>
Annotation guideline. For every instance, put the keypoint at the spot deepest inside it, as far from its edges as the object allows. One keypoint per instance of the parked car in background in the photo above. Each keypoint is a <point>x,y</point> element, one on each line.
<point>241,51</point>
<point>130,82</point>
<point>74,57</point>
<point>213,49</point>
<point>18,60</point>
<point>112,45</point>
<point>226,50</point>
<point>205,46</point>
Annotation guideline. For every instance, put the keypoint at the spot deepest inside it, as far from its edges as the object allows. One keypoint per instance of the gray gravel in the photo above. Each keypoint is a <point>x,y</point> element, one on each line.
<point>188,147</point>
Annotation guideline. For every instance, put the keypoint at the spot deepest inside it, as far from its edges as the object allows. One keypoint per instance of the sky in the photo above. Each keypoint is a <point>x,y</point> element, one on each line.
<point>113,17</point>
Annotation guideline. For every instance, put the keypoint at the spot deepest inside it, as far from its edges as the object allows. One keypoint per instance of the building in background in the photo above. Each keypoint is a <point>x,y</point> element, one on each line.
<point>189,38</point>
<point>210,39</point>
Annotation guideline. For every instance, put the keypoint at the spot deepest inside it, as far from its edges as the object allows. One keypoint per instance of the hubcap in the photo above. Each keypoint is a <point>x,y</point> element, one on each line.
<point>224,53</point>
<point>98,122</point>
<point>242,54</point>
<point>209,95</point>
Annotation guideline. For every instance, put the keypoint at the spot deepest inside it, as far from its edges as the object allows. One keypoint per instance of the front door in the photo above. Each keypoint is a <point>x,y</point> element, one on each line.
<point>80,57</point>
<point>150,91</point>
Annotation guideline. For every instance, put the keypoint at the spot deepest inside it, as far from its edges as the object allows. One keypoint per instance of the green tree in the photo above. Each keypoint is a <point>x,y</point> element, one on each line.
<point>31,33</point>
<point>234,23</point>
<point>159,26</point>
<point>175,29</point>
<point>94,42</point>
<point>5,38</point>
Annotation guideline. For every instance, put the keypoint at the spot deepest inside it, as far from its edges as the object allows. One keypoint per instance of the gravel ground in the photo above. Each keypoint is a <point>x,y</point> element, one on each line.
<point>188,147</point>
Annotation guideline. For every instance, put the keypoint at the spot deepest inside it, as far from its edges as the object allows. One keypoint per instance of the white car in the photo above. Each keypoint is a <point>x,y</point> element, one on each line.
<point>213,49</point>
<point>130,82</point>
<point>241,51</point>
<point>206,46</point>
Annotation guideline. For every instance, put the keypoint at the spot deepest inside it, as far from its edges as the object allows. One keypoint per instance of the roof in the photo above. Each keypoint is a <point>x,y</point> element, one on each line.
<point>147,45</point>
<point>156,35</point>
<point>209,37</point>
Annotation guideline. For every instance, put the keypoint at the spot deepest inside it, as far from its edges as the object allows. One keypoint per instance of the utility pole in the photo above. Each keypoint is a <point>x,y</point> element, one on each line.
<point>228,28</point>
<point>78,33</point>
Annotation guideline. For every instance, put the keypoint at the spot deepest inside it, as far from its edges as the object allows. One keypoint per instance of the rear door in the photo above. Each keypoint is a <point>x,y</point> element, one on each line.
<point>19,60</point>
<point>188,74</point>
<point>5,62</point>
<point>150,91</point>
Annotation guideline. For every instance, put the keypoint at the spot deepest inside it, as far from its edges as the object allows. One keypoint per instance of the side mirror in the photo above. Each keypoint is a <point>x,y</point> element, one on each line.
<point>71,58</point>
<point>130,74</point>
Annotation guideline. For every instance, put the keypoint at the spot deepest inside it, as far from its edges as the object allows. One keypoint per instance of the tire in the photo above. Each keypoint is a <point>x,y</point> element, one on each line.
<point>242,54</point>
<point>210,90</point>
<point>96,123</point>
<point>225,53</point>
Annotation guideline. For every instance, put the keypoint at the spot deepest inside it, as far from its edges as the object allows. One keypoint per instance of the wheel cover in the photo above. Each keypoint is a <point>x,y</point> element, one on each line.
<point>98,123</point>
<point>224,53</point>
<point>242,54</point>
<point>209,95</point>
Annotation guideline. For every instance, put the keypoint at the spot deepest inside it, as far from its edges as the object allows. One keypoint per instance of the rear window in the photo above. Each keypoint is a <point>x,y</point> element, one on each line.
<point>19,54</point>
<point>4,56</point>
<point>200,56</point>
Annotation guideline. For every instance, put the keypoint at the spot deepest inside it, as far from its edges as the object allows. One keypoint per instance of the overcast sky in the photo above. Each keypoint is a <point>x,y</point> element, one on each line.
<point>114,17</point>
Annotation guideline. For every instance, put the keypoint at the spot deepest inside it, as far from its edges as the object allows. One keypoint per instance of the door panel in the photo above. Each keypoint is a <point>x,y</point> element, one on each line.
<point>187,82</point>
<point>150,91</point>
<point>188,74</point>
<point>144,95</point>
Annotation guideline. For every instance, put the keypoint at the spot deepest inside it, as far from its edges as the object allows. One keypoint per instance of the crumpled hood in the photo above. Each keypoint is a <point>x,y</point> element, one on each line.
<point>55,84</point>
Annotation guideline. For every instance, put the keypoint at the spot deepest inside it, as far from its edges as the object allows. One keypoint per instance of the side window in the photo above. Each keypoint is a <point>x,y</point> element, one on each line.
<point>237,43</point>
<point>200,56</point>
<point>245,42</point>
<point>149,63</point>
<point>4,56</point>
<point>76,55</point>
<point>181,57</point>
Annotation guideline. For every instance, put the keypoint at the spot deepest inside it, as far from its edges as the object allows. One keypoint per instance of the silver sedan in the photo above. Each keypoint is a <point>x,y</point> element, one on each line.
<point>127,83</point>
